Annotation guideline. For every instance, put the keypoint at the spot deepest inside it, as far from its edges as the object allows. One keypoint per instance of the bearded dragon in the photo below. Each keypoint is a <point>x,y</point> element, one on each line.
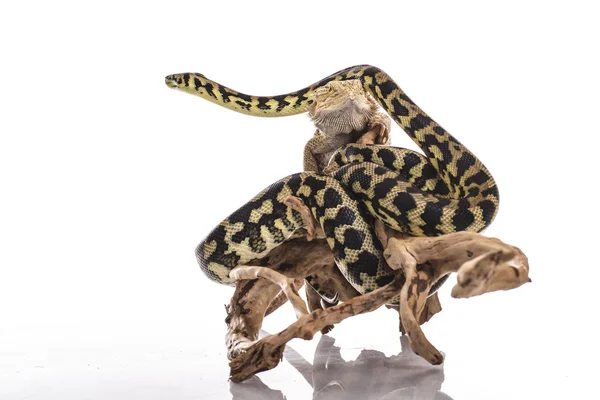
<point>343,113</point>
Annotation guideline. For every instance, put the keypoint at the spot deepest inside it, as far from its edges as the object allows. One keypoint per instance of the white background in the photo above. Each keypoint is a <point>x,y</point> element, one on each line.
<point>108,180</point>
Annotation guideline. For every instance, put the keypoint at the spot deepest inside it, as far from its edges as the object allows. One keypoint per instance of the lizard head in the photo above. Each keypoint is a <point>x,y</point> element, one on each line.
<point>341,107</point>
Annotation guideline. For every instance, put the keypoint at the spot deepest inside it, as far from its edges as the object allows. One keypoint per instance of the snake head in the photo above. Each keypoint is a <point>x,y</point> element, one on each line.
<point>173,81</point>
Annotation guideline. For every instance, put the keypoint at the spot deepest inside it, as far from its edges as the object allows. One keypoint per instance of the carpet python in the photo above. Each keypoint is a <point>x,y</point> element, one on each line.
<point>446,191</point>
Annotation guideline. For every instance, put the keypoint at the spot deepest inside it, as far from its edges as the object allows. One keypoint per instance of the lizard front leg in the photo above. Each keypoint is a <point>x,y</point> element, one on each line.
<point>310,160</point>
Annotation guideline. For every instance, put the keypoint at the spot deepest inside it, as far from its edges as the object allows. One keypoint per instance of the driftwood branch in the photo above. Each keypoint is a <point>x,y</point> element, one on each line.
<point>287,285</point>
<point>483,265</point>
<point>267,352</point>
<point>255,298</point>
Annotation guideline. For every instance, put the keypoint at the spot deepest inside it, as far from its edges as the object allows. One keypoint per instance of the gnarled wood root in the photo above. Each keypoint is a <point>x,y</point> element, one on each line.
<point>483,265</point>
<point>267,352</point>
<point>255,298</point>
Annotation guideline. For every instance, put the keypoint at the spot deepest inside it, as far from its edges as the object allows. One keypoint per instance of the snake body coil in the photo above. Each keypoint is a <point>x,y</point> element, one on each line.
<point>449,190</point>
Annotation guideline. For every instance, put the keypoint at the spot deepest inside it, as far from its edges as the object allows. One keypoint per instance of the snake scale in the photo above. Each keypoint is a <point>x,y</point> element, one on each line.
<point>446,191</point>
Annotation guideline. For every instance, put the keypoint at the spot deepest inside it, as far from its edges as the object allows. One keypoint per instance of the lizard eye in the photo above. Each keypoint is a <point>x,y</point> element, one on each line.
<point>327,89</point>
<point>322,90</point>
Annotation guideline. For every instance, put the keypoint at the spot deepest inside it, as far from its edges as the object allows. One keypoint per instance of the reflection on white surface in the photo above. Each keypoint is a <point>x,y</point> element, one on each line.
<point>493,350</point>
<point>371,376</point>
<point>96,362</point>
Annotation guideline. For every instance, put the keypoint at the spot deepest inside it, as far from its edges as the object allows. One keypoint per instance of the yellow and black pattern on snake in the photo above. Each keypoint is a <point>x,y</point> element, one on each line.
<point>412,166</point>
<point>454,163</point>
<point>464,197</point>
<point>380,179</point>
<point>403,190</point>
<point>266,221</point>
